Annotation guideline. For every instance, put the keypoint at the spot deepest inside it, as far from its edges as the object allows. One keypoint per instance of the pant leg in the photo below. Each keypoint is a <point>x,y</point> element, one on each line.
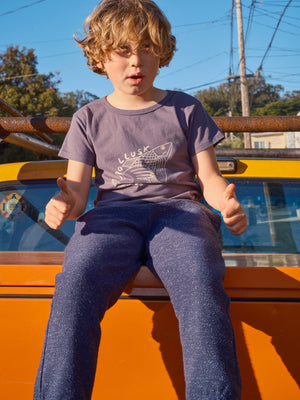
<point>102,256</point>
<point>184,251</point>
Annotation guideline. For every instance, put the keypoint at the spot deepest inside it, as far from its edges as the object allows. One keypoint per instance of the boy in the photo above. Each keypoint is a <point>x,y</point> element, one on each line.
<point>145,144</point>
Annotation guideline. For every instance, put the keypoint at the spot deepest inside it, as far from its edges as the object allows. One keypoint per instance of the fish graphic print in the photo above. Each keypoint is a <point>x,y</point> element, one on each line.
<point>146,168</point>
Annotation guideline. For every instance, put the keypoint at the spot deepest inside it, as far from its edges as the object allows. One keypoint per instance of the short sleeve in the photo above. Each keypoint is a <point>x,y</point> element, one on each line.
<point>203,131</point>
<point>78,145</point>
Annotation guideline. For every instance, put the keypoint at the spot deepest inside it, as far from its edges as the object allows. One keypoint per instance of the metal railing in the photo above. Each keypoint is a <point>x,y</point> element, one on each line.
<point>17,129</point>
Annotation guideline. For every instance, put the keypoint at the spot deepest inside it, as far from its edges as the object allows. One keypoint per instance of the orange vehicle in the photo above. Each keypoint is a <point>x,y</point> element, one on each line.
<point>140,348</point>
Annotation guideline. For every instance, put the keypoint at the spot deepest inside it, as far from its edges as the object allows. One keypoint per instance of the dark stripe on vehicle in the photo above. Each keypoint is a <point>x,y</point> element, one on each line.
<point>162,298</point>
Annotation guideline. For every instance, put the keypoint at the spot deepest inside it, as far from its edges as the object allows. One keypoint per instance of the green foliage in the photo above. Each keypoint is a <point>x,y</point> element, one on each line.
<point>215,100</point>
<point>237,142</point>
<point>264,99</point>
<point>262,93</point>
<point>33,94</point>
<point>22,87</point>
<point>74,100</point>
<point>290,105</point>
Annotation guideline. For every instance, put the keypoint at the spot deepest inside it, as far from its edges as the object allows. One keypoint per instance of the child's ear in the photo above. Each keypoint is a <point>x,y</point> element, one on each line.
<point>100,65</point>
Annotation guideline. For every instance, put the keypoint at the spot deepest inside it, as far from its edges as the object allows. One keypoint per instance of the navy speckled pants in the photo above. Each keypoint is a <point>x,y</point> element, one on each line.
<point>178,239</point>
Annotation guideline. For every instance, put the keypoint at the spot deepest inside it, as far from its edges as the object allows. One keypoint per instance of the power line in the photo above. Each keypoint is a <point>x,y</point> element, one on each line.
<point>250,19</point>
<point>193,64</point>
<point>274,15</point>
<point>275,31</point>
<point>202,23</point>
<point>279,30</point>
<point>40,41</point>
<point>231,40</point>
<point>21,8</point>
<point>10,78</point>
<point>204,84</point>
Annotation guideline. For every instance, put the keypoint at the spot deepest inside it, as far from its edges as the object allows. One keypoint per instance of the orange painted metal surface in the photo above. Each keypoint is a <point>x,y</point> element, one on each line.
<point>140,348</point>
<point>140,337</point>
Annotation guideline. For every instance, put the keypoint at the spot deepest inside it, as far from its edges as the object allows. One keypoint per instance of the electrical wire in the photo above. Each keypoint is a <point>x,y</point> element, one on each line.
<point>10,78</point>
<point>275,16</point>
<point>273,36</point>
<point>21,8</point>
<point>250,20</point>
<point>193,64</point>
<point>279,30</point>
<point>231,40</point>
<point>204,84</point>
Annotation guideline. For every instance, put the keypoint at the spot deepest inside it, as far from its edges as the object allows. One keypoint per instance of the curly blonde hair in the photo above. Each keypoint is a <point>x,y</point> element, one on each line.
<point>115,23</point>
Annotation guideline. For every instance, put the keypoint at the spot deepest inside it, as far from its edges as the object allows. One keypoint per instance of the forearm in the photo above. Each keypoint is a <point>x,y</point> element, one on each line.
<point>79,178</point>
<point>79,200</point>
<point>213,191</point>
<point>211,181</point>
<point>218,193</point>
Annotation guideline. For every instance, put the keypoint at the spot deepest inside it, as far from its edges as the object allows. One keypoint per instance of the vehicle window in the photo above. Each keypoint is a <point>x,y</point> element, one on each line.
<point>22,226</point>
<point>272,207</point>
<point>273,211</point>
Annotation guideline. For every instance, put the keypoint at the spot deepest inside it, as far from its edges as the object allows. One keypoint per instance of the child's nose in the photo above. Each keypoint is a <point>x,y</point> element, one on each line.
<point>136,58</point>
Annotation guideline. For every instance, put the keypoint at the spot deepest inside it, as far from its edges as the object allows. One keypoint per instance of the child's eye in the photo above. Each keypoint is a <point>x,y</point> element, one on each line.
<point>126,50</point>
<point>123,50</point>
<point>146,47</point>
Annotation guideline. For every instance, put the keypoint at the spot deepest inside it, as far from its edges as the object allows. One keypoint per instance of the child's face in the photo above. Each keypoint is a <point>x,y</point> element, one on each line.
<point>132,70</point>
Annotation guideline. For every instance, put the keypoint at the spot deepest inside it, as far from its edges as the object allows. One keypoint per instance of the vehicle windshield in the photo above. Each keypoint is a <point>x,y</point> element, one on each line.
<point>273,212</point>
<point>272,207</point>
<point>22,225</point>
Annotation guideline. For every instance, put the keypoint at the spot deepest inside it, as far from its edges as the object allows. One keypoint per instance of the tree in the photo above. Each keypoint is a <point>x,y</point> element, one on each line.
<point>75,100</point>
<point>33,94</point>
<point>226,98</point>
<point>264,98</point>
<point>215,100</point>
<point>24,88</point>
<point>289,105</point>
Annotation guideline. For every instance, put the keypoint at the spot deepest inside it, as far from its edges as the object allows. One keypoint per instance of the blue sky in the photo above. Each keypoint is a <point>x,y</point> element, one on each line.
<point>202,29</point>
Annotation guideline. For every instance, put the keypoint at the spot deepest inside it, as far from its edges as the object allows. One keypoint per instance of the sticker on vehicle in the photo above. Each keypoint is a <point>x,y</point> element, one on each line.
<point>13,206</point>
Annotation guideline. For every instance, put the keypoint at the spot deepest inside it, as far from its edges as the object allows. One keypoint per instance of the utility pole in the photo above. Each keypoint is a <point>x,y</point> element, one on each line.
<point>243,77</point>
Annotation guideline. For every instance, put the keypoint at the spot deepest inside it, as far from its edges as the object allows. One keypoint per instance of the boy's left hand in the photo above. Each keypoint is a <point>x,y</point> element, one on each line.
<point>234,215</point>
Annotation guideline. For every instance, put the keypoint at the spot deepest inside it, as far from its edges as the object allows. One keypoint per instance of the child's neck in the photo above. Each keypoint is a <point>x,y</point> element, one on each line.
<point>132,102</point>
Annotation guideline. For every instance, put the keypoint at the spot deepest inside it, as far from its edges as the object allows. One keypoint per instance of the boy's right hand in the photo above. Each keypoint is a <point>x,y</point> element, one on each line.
<point>59,207</point>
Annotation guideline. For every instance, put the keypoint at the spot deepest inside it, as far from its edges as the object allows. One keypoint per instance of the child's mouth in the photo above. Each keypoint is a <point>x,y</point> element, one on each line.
<point>137,78</point>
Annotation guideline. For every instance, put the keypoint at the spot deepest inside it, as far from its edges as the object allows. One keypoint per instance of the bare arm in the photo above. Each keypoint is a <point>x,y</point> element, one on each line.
<point>218,193</point>
<point>71,201</point>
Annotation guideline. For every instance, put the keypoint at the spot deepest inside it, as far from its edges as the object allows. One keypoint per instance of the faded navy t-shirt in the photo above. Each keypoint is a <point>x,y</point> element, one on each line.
<point>142,154</point>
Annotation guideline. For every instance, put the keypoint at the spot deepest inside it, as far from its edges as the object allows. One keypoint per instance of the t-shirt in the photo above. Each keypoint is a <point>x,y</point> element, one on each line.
<point>142,154</point>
